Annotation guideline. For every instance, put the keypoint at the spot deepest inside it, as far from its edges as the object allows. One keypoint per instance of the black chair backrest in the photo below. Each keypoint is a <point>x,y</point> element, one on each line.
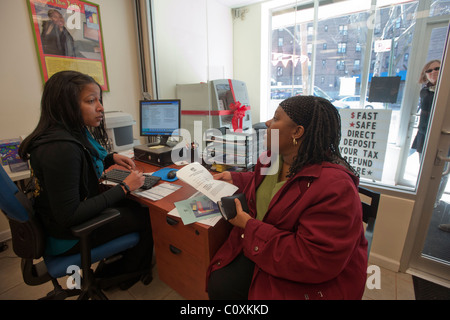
<point>27,234</point>
<point>369,209</point>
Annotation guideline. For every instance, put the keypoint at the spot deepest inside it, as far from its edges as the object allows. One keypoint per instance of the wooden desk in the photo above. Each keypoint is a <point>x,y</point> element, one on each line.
<point>183,252</point>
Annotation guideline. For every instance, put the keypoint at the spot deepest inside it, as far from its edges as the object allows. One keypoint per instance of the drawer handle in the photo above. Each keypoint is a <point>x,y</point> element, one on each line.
<point>171,221</point>
<point>174,250</point>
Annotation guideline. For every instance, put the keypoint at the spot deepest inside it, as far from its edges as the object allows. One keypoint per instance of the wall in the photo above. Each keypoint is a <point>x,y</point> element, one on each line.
<point>193,43</point>
<point>21,84</point>
<point>248,53</point>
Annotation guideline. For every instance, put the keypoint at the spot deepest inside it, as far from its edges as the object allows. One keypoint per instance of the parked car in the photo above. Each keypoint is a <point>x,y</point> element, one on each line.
<point>287,91</point>
<point>284,92</point>
<point>353,102</point>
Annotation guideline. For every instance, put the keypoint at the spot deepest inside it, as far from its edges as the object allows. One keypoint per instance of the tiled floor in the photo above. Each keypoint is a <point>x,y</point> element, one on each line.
<point>394,286</point>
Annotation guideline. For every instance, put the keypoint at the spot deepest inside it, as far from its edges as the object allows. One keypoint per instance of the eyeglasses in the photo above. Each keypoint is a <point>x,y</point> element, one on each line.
<point>431,70</point>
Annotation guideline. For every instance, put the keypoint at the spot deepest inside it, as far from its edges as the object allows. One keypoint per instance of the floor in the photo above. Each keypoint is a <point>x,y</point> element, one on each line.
<point>437,243</point>
<point>394,286</point>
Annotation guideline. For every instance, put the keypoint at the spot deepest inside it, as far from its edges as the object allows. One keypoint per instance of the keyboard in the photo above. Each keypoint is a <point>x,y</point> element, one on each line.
<point>117,175</point>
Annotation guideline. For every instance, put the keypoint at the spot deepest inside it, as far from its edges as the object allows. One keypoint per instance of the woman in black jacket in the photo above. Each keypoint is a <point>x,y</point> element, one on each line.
<point>428,78</point>
<point>67,159</point>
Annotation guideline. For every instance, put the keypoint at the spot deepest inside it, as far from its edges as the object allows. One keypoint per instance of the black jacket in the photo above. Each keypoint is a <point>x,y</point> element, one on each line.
<point>67,185</point>
<point>426,102</point>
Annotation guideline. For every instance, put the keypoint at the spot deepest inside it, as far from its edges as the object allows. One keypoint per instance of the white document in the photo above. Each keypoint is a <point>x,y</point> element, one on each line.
<point>160,191</point>
<point>201,179</point>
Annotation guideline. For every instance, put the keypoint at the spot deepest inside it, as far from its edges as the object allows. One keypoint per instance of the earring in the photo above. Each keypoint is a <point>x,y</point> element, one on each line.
<point>294,141</point>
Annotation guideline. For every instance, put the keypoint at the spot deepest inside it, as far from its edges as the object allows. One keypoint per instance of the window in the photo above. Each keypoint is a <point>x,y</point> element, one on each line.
<point>342,47</point>
<point>343,30</point>
<point>383,37</point>
<point>340,65</point>
<point>279,71</point>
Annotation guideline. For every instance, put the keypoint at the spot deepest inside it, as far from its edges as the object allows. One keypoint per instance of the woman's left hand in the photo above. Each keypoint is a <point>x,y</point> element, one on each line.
<point>241,218</point>
<point>124,161</point>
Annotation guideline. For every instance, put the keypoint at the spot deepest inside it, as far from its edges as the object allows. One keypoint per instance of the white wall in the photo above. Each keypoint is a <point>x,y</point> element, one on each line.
<point>194,43</point>
<point>247,54</point>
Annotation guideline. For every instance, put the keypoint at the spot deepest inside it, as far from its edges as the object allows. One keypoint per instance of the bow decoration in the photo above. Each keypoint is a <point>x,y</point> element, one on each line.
<point>238,115</point>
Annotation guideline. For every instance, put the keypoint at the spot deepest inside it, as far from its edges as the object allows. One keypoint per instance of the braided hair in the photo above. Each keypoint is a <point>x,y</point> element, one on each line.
<point>322,124</point>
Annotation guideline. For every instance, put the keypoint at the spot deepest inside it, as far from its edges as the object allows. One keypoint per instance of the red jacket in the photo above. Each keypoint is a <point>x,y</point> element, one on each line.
<point>311,247</point>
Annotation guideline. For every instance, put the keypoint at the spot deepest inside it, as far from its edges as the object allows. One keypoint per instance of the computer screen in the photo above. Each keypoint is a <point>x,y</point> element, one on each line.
<point>160,118</point>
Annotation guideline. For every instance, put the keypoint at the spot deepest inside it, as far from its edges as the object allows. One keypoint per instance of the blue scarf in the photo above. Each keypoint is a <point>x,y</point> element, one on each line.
<point>97,160</point>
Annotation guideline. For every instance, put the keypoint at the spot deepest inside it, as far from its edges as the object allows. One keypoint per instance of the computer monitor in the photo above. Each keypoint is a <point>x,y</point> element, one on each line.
<point>160,118</point>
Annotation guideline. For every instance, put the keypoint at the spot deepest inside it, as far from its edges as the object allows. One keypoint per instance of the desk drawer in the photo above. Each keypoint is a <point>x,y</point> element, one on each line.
<point>188,238</point>
<point>180,269</point>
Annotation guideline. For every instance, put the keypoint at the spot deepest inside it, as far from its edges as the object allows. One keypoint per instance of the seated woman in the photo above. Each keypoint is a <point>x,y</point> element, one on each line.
<point>303,237</point>
<point>67,160</point>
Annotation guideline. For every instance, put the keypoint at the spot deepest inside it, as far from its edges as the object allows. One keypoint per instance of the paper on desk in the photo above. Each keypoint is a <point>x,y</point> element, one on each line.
<point>201,179</point>
<point>160,191</point>
<point>128,153</point>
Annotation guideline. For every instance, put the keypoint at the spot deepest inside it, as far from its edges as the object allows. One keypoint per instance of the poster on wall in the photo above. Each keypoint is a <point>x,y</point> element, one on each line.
<point>68,36</point>
<point>364,140</point>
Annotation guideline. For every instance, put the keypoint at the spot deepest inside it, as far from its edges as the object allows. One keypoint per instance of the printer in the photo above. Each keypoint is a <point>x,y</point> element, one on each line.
<point>119,127</point>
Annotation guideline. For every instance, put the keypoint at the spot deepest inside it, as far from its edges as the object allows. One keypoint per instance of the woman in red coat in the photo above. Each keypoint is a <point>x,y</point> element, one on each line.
<point>303,237</point>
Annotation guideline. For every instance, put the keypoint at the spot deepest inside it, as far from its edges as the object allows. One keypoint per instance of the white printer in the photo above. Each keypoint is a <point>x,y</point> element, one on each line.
<point>119,127</point>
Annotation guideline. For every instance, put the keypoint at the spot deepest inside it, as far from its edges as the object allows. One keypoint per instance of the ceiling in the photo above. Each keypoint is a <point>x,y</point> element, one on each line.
<point>239,3</point>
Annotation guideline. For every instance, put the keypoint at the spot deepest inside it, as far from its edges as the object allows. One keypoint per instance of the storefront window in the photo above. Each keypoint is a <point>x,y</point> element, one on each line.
<point>357,56</point>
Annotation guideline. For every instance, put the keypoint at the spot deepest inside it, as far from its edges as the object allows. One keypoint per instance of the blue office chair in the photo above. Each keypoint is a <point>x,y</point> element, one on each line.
<point>28,240</point>
<point>370,210</point>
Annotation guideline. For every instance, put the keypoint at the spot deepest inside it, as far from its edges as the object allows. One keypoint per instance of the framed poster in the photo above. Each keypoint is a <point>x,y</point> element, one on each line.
<point>68,36</point>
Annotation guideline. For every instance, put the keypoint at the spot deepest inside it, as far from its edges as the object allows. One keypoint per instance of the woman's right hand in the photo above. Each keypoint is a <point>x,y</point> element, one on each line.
<point>224,176</point>
<point>135,180</point>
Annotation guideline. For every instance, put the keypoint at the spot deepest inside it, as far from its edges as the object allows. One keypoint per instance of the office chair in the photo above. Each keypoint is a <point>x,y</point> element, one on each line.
<point>28,240</point>
<point>370,210</point>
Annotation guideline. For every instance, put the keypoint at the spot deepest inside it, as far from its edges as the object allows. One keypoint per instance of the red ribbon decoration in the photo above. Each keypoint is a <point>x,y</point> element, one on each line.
<point>238,115</point>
